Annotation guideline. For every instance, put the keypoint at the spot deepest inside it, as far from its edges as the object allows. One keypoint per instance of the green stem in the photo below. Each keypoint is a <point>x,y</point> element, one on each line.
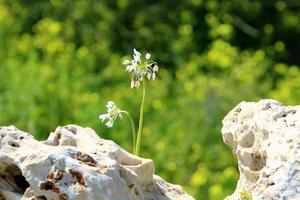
<point>139,134</point>
<point>132,128</point>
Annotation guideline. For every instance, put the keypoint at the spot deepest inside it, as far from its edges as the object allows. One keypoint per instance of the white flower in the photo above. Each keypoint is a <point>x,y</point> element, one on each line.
<point>148,55</point>
<point>103,117</point>
<point>126,62</point>
<point>113,112</point>
<point>110,106</point>
<point>109,123</point>
<point>155,68</point>
<point>136,56</point>
<point>140,68</point>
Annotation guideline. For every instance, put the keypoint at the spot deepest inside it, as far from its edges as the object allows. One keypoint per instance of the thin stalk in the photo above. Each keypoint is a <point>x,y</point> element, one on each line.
<point>139,134</point>
<point>132,128</point>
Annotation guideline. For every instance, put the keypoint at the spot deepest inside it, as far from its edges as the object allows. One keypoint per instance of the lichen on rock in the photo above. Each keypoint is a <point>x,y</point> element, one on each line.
<point>74,163</point>
<point>265,137</point>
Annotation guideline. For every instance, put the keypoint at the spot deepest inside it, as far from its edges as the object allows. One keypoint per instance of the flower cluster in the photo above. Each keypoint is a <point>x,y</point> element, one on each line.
<point>140,68</point>
<point>113,112</point>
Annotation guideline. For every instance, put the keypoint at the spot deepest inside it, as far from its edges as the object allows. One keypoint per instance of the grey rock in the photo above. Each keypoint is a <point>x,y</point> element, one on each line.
<point>265,137</point>
<point>74,163</point>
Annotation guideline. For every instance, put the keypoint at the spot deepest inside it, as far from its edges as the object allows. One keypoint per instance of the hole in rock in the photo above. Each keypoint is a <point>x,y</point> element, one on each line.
<point>11,179</point>
<point>247,139</point>
<point>13,144</point>
<point>85,158</point>
<point>238,110</point>
<point>254,161</point>
<point>72,129</point>
<point>57,139</point>
<point>258,162</point>
<point>48,185</point>
<point>21,182</point>
<point>78,176</point>
<point>136,192</point>
<point>41,197</point>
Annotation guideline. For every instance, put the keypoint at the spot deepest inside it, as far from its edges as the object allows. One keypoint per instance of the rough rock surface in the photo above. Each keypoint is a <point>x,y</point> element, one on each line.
<point>265,137</point>
<point>74,163</point>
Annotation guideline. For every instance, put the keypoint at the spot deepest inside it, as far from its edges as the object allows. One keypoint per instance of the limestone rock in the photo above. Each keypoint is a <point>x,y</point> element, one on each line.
<point>265,137</point>
<point>74,163</point>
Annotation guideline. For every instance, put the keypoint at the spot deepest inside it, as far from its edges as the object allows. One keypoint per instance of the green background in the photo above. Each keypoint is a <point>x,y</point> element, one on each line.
<point>60,62</point>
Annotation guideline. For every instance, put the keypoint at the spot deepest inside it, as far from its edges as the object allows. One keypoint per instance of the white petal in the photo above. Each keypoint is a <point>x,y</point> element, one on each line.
<point>148,55</point>
<point>155,68</point>
<point>137,58</point>
<point>129,68</point>
<point>109,124</point>
<point>134,67</point>
<point>110,104</point>
<point>136,55</point>
<point>103,117</point>
<point>136,52</point>
<point>153,76</point>
<point>132,84</point>
<point>137,84</point>
<point>126,62</point>
<point>149,76</point>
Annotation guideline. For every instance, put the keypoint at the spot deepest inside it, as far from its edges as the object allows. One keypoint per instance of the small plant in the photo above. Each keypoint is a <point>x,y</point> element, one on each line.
<point>140,69</point>
<point>245,195</point>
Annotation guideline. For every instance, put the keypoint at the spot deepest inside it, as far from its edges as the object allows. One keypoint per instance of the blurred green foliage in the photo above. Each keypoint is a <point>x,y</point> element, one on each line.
<point>60,62</point>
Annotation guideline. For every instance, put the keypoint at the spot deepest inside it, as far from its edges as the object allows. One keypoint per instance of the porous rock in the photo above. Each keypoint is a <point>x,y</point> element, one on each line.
<point>74,163</point>
<point>265,137</point>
